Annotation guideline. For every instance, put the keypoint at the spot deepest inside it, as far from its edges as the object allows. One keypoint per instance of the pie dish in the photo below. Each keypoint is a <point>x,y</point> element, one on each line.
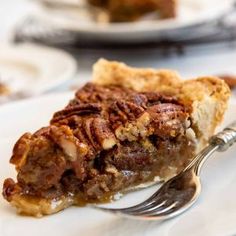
<point>128,127</point>
<point>131,10</point>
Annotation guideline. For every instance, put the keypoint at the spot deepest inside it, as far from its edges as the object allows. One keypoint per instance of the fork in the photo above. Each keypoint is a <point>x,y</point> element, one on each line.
<point>180,192</point>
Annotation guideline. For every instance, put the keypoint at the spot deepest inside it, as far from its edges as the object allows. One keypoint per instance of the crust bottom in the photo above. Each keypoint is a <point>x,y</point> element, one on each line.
<point>38,207</point>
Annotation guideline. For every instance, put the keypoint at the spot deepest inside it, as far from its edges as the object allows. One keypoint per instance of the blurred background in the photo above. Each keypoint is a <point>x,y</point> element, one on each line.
<point>50,45</point>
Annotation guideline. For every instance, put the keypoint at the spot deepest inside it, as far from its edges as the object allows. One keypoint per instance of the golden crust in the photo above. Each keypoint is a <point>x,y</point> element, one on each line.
<point>39,207</point>
<point>109,72</point>
<point>207,96</point>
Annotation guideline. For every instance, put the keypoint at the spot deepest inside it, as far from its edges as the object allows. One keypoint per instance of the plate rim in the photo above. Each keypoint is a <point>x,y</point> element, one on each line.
<point>32,99</point>
<point>20,50</point>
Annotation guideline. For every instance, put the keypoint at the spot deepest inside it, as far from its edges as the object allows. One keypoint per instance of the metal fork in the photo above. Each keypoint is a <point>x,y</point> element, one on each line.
<point>179,193</point>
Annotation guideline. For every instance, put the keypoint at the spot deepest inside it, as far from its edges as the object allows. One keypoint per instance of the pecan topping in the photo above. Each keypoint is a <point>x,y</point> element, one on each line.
<point>79,110</point>
<point>133,131</point>
<point>96,133</point>
<point>168,119</point>
<point>122,112</point>
<point>103,133</point>
<point>98,94</point>
<point>72,147</point>
<point>21,150</point>
<point>157,98</point>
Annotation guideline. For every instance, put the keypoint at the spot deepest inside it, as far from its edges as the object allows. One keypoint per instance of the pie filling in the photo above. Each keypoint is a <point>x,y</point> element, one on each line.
<point>131,10</point>
<point>106,140</point>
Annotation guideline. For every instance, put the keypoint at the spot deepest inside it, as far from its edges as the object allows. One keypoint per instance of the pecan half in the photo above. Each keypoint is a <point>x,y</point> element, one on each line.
<point>20,150</point>
<point>72,147</point>
<point>123,111</point>
<point>168,120</point>
<point>95,132</point>
<point>80,110</point>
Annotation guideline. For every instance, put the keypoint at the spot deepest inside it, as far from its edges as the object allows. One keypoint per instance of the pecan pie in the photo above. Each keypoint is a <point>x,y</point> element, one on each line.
<point>127,127</point>
<point>131,10</point>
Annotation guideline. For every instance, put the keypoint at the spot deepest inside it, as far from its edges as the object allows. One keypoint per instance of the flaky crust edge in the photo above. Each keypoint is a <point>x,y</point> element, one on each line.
<point>207,96</point>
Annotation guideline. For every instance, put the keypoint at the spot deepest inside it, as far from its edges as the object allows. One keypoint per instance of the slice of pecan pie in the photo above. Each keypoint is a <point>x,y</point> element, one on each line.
<point>131,10</point>
<point>129,126</point>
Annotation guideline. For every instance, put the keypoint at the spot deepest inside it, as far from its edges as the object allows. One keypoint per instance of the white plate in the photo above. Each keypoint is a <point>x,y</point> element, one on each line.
<point>33,69</point>
<point>190,12</point>
<point>213,215</point>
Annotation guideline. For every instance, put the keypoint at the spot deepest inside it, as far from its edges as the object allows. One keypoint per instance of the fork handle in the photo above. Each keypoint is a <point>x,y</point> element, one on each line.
<point>219,142</point>
<point>225,138</point>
